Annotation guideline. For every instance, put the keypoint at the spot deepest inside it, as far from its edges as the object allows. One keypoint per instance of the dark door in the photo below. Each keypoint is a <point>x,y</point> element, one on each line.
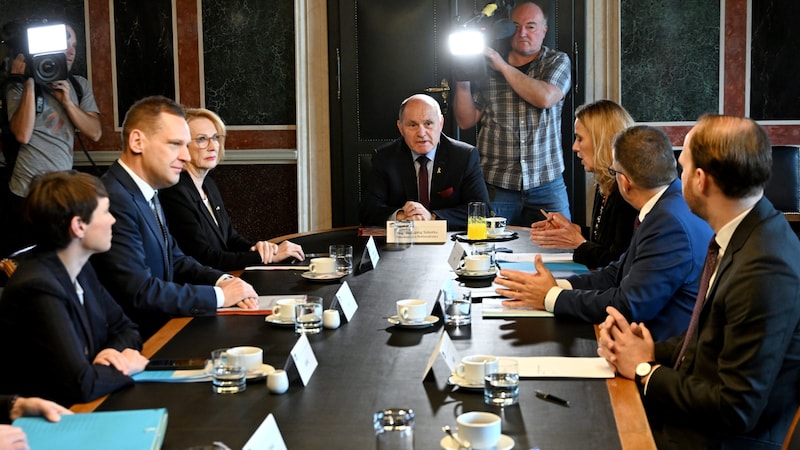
<point>382,51</point>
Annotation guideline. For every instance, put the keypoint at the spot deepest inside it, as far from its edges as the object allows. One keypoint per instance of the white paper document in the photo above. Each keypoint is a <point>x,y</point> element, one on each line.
<point>563,366</point>
<point>493,307</point>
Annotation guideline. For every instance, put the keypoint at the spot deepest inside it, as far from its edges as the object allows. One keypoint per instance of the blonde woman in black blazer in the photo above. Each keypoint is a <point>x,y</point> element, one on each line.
<point>195,213</point>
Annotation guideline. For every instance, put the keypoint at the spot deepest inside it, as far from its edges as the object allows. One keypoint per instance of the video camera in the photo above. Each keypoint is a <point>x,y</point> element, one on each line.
<point>43,45</point>
<point>490,27</point>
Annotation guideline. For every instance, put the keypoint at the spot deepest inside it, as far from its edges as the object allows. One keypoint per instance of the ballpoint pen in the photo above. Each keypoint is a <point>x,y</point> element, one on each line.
<point>549,220</point>
<point>552,398</point>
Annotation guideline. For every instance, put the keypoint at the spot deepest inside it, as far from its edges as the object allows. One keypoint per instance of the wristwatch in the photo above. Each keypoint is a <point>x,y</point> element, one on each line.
<point>643,370</point>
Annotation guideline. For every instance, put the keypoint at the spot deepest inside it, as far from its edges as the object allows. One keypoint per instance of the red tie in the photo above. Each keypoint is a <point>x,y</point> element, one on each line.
<point>708,269</point>
<point>422,182</point>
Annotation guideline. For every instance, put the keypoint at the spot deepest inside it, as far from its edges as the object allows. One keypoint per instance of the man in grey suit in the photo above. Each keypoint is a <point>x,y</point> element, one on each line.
<point>732,380</point>
<point>145,270</point>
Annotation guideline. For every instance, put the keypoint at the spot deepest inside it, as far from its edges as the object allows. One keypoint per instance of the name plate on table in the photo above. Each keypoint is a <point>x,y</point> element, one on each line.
<point>425,232</point>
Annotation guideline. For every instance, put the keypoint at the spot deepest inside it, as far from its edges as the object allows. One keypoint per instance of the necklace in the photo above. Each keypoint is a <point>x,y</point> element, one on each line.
<point>597,220</point>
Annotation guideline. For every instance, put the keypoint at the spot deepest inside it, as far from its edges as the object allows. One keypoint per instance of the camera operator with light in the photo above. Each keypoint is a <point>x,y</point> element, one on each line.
<point>46,106</point>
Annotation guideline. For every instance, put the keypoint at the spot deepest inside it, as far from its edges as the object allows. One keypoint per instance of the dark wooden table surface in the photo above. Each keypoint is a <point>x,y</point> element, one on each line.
<point>367,365</point>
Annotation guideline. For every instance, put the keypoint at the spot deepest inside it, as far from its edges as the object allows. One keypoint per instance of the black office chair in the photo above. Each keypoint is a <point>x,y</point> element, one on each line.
<point>783,189</point>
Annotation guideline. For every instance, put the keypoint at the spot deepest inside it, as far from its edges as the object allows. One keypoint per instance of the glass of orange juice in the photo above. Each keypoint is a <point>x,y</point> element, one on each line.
<point>476,220</point>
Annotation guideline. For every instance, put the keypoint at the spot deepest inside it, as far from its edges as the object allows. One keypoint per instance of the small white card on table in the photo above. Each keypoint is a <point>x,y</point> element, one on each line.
<point>347,301</point>
<point>304,359</point>
<point>266,437</point>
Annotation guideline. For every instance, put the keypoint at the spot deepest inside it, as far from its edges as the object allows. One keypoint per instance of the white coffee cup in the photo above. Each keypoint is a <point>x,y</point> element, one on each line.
<point>284,309</point>
<point>473,368</point>
<point>481,429</point>
<point>412,310</point>
<point>495,225</point>
<point>322,265</point>
<point>251,358</point>
<point>278,381</point>
<point>477,263</point>
<point>330,319</point>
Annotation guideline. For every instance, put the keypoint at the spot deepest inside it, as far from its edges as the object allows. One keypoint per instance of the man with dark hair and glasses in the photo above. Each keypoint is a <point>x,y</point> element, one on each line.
<point>656,280</point>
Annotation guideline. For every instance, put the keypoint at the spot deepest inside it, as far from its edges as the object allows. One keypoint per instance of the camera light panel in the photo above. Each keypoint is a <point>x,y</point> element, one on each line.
<point>47,39</point>
<point>466,42</point>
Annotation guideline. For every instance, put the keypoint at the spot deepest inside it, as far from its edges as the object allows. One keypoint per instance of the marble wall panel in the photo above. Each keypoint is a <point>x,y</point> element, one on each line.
<point>775,59</point>
<point>248,54</point>
<point>670,59</point>
<point>68,11</point>
<point>144,57</point>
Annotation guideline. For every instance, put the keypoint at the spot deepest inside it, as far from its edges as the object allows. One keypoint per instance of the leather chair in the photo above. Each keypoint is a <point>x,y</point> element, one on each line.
<point>783,188</point>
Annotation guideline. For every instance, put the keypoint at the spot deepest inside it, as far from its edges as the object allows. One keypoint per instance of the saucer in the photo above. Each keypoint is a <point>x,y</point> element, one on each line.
<point>276,320</point>
<point>504,443</point>
<point>261,372</point>
<point>427,322</point>
<point>506,236</point>
<point>476,275</point>
<point>322,276</point>
<point>462,383</point>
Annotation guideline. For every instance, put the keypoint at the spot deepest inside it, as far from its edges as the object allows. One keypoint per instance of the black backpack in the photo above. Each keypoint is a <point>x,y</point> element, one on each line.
<point>9,145</point>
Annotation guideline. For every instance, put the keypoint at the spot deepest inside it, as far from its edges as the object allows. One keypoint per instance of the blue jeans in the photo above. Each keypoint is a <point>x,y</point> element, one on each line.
<point>522,207</point>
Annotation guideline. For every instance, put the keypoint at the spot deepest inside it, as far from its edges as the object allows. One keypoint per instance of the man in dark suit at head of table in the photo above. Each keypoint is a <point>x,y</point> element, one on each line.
<point>454,176</point>
<point>732,380</point>
<point>144,270</point>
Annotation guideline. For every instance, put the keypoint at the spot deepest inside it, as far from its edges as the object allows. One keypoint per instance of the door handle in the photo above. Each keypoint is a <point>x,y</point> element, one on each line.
<point>443,88</point>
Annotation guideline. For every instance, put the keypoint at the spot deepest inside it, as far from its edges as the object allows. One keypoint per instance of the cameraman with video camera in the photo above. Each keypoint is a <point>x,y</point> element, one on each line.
<point>46,105</point>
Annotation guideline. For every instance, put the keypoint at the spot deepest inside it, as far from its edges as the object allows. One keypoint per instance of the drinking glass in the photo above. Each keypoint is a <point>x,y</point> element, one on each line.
<point>227,377</point>
<point>476,220</point>
<point>501,386</point>
<point>343,254</point>
<point>308,315</point>
<point>394,429</point>
<point>457,306</point>
<point>403,233</point>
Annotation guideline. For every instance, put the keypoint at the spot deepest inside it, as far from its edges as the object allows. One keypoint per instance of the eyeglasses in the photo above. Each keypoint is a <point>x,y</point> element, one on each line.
<point>204,141</point>
<point>613,172</point>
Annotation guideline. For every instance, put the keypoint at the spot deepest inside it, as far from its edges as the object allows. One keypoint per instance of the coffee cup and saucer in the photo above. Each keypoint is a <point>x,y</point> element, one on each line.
<point>482,430</point>
<point>477,267</point>
<point>282,313</point>
<point>323,269</point>
<point>470,372</point>
<point>496,227</point>
<point>412,313</point>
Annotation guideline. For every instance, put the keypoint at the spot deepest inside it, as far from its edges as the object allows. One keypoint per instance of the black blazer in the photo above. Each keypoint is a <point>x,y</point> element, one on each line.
<point>614,231</point>
<point>133,270</point>
<point>457,180</point>
<point>45,330</point>
<point>739,383</point>
<point>190,222</point>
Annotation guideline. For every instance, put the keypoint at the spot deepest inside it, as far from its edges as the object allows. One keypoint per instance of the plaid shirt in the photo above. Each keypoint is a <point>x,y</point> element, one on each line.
<point>520,144</point>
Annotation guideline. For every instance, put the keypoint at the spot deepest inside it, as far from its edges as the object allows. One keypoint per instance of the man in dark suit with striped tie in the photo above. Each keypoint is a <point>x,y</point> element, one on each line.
<point>423,175</point>
<point>732,380</point>
<point>145,270</point>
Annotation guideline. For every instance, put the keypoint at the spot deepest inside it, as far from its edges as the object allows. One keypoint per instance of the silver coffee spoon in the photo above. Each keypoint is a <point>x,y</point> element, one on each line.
<point>461,443</point>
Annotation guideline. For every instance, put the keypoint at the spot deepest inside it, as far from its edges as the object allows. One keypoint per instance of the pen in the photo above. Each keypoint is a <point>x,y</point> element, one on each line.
<point>552,398</point>
<point>549,220</point>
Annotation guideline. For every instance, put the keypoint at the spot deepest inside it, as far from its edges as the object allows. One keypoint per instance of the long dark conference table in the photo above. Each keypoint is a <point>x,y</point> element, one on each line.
<point>367,365</point>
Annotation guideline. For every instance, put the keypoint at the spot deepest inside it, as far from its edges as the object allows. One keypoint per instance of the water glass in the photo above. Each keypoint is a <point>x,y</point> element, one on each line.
<point>227,376</point>
<point>403,233</point>
<point>457,306</point>
<point>476,220</point>
<point>501,386</point>
<point>308,315</point>
<point>343,254</point>
<point>394,429</point>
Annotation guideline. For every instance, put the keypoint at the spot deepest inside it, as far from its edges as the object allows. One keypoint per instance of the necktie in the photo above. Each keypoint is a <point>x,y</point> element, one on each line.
<point>636,224</point>
<point>422,182</point>
<point>708,269</point>
<point>159,213</point>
